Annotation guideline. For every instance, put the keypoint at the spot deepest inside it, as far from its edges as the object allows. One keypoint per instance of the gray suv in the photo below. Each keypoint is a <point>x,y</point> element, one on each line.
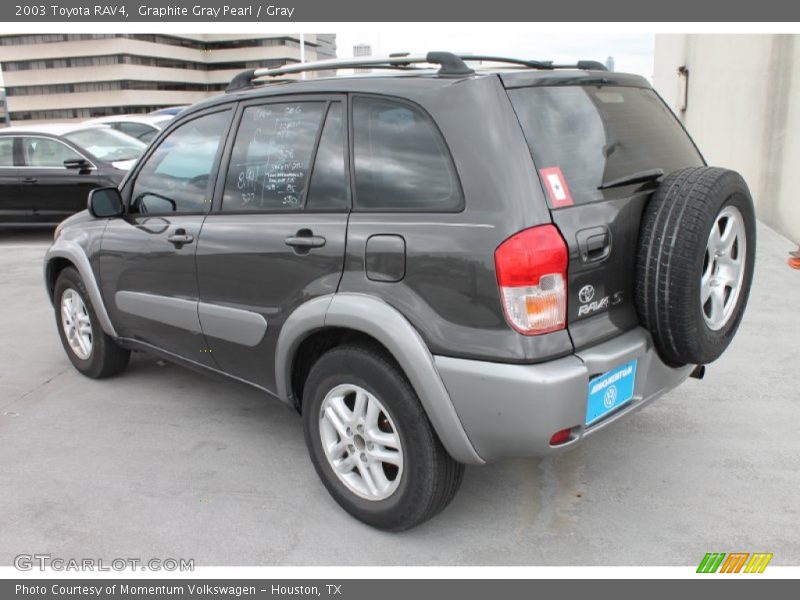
<point>435,267</point>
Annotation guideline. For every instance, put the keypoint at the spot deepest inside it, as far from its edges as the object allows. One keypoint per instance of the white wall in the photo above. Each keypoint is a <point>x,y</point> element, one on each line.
<point>743,111</point>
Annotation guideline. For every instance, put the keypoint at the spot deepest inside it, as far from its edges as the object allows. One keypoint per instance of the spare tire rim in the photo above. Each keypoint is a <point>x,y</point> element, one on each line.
<point>76,323</point>
<point>723,268</point>
<point>361,442</point>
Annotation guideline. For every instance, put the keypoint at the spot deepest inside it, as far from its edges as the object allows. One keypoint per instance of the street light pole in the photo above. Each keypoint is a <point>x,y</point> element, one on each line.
<point>303,52</point>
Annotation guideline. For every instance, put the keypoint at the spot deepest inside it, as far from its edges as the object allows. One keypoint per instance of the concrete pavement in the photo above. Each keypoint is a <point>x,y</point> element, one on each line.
<point>162,462</point>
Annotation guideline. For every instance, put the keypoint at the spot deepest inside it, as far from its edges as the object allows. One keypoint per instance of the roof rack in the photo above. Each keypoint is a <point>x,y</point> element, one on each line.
<point>450,65</point>
<point>581,65</point>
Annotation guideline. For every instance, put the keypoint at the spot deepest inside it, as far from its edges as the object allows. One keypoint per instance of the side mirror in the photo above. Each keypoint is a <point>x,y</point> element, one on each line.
<point>105,202</point>
<point>77,163</point>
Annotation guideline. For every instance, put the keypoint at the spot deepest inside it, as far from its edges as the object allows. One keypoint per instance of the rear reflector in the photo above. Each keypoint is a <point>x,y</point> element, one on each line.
<point>559,437</point>
<point>531,271</point>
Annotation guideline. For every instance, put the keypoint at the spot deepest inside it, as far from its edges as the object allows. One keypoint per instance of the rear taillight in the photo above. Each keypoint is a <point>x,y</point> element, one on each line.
<point>531,271</point>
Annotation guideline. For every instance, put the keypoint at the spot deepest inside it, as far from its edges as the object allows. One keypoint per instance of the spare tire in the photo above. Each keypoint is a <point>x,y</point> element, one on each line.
<point>695,263</point>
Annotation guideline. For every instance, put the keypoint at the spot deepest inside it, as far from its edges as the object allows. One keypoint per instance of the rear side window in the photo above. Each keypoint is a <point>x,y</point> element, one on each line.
<point>271,156</point>
<point>401,162</point>
<point>137,130</point>
<point>595,135</point>
<point>330,184</point>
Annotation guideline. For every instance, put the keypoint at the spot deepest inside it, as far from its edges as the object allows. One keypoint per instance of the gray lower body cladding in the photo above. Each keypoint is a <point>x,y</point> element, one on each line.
<point>513,410</point>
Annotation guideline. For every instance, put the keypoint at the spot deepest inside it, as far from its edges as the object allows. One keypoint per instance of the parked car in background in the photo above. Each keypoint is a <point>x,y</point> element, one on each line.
<point>168,111</point>
<point>141,127</point>
<point>46,171</point>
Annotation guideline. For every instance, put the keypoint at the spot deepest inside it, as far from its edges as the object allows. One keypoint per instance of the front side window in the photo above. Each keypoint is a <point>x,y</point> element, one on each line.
<point>271,157</point>
<point>401,161</point>
<point>177,176</point>
<point>44,152</point>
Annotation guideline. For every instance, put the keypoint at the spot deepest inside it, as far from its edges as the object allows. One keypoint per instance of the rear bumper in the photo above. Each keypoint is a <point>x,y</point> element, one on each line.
<point>513,410</point>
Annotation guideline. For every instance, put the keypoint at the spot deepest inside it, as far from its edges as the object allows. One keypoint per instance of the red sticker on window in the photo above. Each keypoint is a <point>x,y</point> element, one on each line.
<point>556,187</point>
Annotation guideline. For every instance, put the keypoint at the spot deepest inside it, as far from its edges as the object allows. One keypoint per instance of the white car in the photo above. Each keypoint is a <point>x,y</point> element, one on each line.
<point>141,127</point>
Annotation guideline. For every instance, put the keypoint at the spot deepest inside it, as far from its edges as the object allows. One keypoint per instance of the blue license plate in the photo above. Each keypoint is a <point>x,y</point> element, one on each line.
<point>609,391</point>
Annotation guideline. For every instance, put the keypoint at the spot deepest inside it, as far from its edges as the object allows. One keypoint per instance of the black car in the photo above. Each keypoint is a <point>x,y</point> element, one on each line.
<point>46,171</point>
<point>436,267</point>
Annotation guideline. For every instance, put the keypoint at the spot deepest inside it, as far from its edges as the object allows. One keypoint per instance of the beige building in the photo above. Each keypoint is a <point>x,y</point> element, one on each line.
<point>76,76</point>
<point>739,97</point>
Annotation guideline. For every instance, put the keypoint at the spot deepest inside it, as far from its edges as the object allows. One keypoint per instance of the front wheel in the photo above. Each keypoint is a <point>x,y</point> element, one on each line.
<point>371,442</point>
<point>89,348</point>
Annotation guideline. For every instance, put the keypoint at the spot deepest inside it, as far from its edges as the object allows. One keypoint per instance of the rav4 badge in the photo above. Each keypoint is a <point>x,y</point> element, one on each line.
<point>587,307</point>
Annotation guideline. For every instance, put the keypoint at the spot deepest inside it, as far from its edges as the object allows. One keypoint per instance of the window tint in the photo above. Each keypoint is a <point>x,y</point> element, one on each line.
<point>140,131</point>
<point>401,162</point>
<point>177,175</point>
<point>330,184</point>
<point>598,134</point>
<point>6,152</point>
<point>271,156</point>
<point>43,152</point>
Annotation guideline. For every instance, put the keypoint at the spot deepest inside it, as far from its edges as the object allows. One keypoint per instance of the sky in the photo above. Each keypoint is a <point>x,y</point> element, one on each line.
<point>633,53</point>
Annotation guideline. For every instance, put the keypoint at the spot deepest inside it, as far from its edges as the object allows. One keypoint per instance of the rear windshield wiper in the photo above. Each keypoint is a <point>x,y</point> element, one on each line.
<point>638,177</point>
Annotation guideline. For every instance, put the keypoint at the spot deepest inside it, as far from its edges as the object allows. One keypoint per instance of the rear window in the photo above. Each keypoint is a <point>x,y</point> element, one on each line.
<point>585,137</point>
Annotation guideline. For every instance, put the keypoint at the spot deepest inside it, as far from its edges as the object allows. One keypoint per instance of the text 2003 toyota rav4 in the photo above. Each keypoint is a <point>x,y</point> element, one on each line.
<point>436,267</point>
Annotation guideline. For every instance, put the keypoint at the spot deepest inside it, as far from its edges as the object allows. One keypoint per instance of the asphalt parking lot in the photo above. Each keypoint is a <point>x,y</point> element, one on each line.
<point>162,462</point>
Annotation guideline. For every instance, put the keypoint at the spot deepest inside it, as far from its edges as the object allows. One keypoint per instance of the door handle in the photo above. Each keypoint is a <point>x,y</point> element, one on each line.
<point>29,180</point>
<point>305,240</point>
<point>179,238</point>
<point>594,244</point>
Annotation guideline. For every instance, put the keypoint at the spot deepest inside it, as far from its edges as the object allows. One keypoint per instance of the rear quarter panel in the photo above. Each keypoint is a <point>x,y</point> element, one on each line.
<point>449,292</point>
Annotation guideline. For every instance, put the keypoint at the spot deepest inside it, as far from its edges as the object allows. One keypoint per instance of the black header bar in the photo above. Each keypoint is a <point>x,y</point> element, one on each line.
<point>122,11</point>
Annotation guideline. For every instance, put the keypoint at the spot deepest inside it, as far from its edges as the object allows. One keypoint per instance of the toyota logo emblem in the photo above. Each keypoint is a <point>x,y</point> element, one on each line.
<point>586,294</point>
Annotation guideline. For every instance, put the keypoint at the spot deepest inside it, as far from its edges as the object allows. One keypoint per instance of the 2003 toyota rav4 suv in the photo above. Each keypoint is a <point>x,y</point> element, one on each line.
<point>436,267</point>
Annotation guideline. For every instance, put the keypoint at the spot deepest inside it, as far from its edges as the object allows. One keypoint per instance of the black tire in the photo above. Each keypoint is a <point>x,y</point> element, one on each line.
<point>430,477</point>
<point>672,258</point>
<point>106,357</point>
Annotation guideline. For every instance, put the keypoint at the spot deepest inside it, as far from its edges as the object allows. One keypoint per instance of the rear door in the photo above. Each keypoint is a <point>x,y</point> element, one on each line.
<point>52,191</point>
<point>276,237</point>
<point>587,141</point>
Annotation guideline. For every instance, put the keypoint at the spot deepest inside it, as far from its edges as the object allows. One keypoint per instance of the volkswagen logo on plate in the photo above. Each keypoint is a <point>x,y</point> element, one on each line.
<point>611,397</point>
<point>586,294</point>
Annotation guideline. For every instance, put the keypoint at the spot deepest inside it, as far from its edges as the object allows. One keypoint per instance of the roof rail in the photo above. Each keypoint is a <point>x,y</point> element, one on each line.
<point>450,65</point>
<point>583,65</point>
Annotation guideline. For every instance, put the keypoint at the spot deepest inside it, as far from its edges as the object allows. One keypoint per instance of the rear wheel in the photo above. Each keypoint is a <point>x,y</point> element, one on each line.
<point>371,442</point>
<point>90,350</point>
<point>695,263</point>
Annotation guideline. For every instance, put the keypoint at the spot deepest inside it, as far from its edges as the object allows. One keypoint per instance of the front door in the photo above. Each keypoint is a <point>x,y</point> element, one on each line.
<point>147,259</point>
<point>52,191</point>
<point>276,237</point>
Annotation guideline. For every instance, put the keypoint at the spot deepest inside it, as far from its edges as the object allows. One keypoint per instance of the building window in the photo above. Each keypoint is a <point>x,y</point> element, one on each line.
<point>168,40</point>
